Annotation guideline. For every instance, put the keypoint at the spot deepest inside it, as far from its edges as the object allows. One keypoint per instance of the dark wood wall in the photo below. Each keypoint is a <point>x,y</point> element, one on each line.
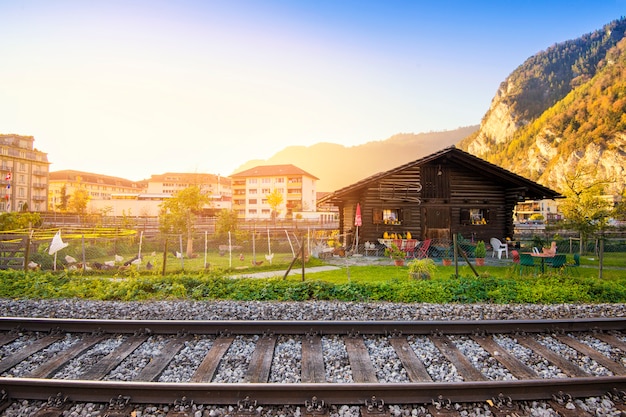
<point>434,201</point>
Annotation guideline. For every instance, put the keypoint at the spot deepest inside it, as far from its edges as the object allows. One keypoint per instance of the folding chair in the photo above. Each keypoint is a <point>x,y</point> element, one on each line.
<point>409,248</point>
<point>422,251</point>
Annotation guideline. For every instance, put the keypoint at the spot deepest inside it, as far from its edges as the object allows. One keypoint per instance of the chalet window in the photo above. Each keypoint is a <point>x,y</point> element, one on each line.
<point>388,216</point>
<point>475,216</point>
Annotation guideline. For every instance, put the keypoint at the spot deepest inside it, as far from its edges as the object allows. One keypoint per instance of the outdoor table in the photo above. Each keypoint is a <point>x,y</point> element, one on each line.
<point>543,257</point>
<point>403,242</point>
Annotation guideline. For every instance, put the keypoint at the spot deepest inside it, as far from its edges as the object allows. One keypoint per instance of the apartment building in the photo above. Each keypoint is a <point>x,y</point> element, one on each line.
<point>101,188</point>
<point>23,174</point>
<point>217,187</point>
<point>116,196</point>
<point>546,209</point>
<point>252,187</point>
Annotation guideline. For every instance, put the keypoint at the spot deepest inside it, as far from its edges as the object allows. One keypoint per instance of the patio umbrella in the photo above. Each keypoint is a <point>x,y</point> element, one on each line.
<point>358,221</point>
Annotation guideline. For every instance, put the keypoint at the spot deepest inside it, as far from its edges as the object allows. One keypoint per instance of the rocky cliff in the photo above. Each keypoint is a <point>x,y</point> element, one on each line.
<point>561,110</point>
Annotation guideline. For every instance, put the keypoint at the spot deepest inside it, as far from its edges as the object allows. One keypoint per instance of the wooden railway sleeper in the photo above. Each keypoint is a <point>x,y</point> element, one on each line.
<point>311,334</point>
<point>442,407</point>
<point>564,405</point>
<point>503,406</point>
<point>181,408</point>
<point>142,332</point>
<point>119,406</point>
<point>5,401</point>
<point>375,407</point>
<point>316,408</point>
<point>54,407</point>
<point>245,408</point>
<point>619,399</point>
<point>353,334</point>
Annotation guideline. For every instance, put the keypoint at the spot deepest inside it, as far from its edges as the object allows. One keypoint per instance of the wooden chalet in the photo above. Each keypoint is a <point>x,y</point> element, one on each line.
<point>448,192</point>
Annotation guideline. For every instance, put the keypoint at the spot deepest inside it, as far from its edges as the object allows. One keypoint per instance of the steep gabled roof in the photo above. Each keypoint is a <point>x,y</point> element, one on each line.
<point>273,171</point>
<point>461,158</point>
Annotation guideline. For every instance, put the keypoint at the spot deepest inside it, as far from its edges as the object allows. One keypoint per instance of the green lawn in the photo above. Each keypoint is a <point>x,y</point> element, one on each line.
<point>495,284</point>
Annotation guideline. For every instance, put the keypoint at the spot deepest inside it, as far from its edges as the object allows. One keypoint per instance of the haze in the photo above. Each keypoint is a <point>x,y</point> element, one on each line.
<point>134,88</point>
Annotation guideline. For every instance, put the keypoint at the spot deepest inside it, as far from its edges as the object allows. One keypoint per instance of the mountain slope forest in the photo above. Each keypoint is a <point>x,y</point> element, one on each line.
<point>562,110</point>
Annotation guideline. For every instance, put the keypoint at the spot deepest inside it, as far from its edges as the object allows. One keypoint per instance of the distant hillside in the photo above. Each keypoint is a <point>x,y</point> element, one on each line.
<point>337,166</point>
<point>562,109</point>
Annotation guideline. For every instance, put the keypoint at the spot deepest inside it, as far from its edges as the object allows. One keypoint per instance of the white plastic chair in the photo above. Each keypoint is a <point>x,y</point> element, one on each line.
<point>499,247</point>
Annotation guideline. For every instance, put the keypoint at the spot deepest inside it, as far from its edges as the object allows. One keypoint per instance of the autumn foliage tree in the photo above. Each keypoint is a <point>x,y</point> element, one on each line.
<point>584,209</point>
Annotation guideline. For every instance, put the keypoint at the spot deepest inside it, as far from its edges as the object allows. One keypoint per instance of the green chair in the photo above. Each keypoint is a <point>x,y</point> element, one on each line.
<point>573,267</point>
<point>558,262</point>
<point>526,261</point>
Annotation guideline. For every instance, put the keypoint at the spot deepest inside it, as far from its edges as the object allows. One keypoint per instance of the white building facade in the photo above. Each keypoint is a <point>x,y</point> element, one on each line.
<point>252,190</point>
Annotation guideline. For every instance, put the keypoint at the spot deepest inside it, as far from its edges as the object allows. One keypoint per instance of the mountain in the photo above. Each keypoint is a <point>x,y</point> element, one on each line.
<point>562,110</point>
<point>337,166</point>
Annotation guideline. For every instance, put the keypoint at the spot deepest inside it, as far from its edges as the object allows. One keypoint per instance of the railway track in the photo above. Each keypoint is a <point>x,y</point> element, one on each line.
<point>312,364</point>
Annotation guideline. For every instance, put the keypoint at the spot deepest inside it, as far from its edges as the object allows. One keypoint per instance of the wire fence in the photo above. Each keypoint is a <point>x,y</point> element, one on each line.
<point>102,248</point>
<point>115,248</point>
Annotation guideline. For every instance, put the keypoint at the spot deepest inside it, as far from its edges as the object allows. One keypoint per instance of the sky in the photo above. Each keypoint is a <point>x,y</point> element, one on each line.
<point>133,88</point>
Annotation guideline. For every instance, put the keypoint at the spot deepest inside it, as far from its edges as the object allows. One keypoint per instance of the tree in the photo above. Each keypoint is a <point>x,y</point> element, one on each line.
<point>227,221</point>
<point>78,201</point>
<point>63,199</point>
<point>274,199</point>
<point>16,220</point>
<point>178,214</point>
<point>584,209</point>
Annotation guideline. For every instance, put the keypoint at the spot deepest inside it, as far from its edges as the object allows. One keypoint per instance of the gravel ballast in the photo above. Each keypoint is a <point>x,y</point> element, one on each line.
<point>286,361</point>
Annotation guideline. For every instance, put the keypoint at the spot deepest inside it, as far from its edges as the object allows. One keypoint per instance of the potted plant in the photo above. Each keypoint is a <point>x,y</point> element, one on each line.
<point>422,268</point>
<point>480,252</point>
<point>396,254</point>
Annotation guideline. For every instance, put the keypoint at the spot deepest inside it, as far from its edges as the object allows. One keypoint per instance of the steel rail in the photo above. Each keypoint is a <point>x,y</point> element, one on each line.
<point>317,327</point>
<point>330,393</point>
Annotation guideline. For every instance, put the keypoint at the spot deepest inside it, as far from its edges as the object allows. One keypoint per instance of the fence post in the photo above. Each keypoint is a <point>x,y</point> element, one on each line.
<point>27,250</point>
<point>164,257</point>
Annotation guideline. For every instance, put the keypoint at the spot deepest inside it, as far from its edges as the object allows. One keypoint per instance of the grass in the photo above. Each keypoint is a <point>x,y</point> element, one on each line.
<point>496,284</point>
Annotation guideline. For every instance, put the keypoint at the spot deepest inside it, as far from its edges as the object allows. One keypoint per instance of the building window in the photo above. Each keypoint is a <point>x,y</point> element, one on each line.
<point>266,180</point>
<point>265,191</point>
<point>252,191</point>
<point>252,180</point>
<point>475,216</point>
<point>387,216</point>
<point>280,180</point>
<point>252,211</point>
<point>252,201</point>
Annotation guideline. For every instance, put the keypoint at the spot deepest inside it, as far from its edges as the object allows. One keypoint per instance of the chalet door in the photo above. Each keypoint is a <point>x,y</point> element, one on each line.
<point>436,223</point>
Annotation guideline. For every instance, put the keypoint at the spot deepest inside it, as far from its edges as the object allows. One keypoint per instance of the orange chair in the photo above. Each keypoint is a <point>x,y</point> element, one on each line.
<point>422,251</point>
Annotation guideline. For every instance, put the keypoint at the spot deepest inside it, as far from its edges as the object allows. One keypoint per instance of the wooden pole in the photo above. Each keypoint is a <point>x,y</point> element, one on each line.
<point>456,256</point>
<point>164,257</point>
